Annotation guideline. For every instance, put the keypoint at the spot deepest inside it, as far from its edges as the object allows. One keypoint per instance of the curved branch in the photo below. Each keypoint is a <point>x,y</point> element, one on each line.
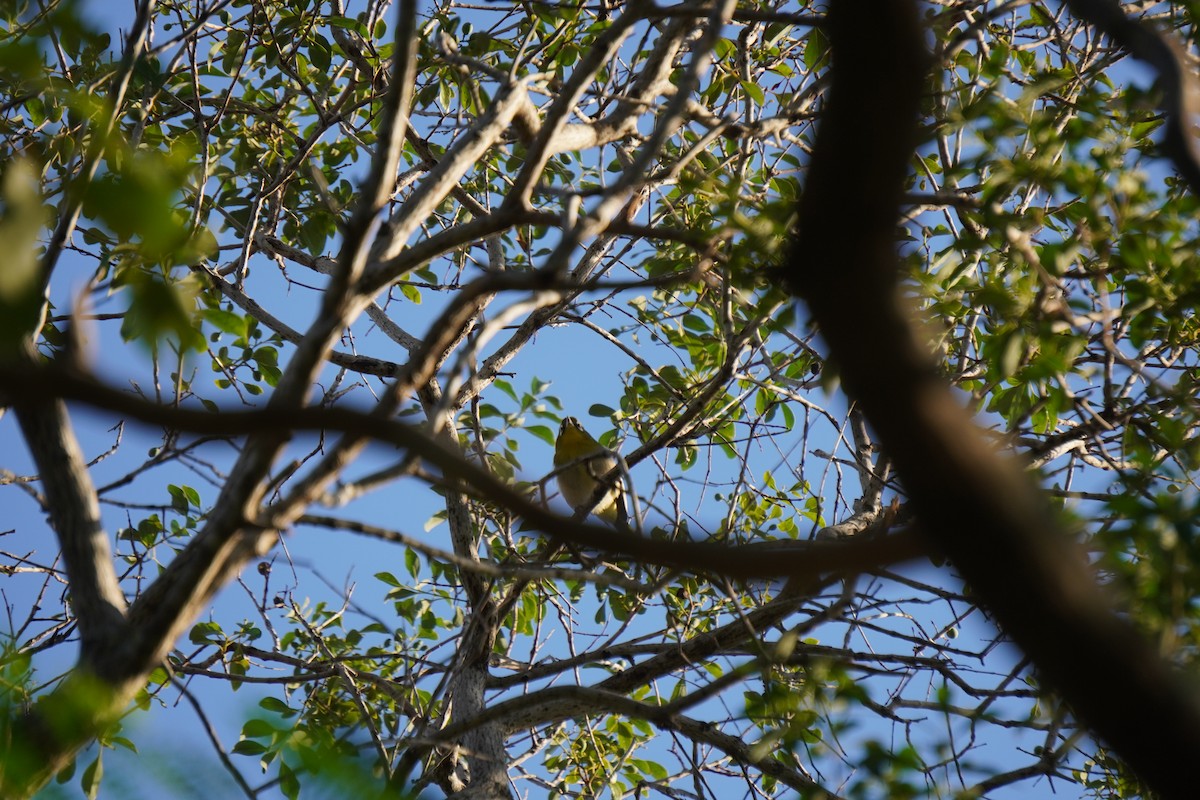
<point>1012,551</point>
<point>74,509</point>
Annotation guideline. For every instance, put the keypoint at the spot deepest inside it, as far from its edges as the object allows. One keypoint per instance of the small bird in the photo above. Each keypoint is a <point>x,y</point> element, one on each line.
<point>582,462</point>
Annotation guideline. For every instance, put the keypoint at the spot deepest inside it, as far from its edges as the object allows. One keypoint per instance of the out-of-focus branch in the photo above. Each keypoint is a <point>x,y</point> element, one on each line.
<point>980,508</point>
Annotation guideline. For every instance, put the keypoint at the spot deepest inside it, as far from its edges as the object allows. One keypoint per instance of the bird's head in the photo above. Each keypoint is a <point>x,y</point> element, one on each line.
<point>573,439</point>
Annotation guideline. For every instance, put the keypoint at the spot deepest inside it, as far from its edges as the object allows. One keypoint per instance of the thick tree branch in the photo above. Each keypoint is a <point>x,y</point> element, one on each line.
<point>96,597</point>
<point>978,506</point>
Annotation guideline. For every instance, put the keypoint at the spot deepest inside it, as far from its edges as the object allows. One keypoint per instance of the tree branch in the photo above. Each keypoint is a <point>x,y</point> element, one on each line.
<point>558,703</point>
<point>977,506</point>
<point>761,559</point>
<point>96,596</point>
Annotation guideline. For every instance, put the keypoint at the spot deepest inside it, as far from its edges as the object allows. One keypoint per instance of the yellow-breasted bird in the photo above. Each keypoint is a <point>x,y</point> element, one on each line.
<point>582,462</point>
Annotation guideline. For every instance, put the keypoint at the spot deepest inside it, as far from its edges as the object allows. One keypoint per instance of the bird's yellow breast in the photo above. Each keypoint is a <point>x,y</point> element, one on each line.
<point>581,461</point>
<point>573,443</point>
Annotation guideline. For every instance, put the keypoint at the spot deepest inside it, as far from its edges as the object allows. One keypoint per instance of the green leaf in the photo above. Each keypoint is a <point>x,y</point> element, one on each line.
<point>89,781</point>
<point>289,784</point>
<point>507,388</point>
<point>542,432</point>
<point>349,24</point>
<point>275,705</point>
<point>247,747</point>
<point>411,292</point>
<point>183,498</point>
<point>754,91</point>
<point>1039,16</point>
<point>816,48</point>
<point>388,578</point>
<point>121,741</point>
<point>320,54</point>
<point>159,308</point>
<point>206,633</point>
<point>258,729</point>
<point>227,321</point>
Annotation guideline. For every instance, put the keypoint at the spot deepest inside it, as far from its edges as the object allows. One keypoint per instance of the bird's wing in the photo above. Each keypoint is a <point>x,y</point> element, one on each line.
<point>601,464</point>
<point>600,467</point>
